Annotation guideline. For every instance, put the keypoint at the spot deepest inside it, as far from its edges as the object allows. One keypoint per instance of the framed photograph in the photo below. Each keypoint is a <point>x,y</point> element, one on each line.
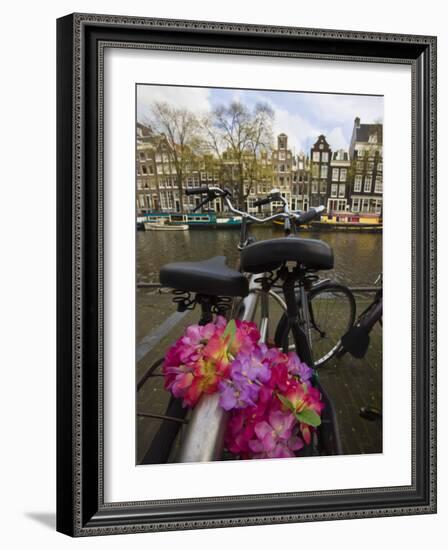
<point>235,205</point>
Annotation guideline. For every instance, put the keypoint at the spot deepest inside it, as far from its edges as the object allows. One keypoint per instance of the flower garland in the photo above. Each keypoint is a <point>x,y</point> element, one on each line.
<point>273,405</point>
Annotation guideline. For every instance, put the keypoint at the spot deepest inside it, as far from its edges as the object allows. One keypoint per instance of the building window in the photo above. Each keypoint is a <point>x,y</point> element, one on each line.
<point>370,166</point>
<point>360,153</point>
<point>335,174</point>
<point>379,184</point>
<point>314,187</point>
<point>365,205</point>
<point>358,184</point>
<point>151,169</point>
<point>143,156</point>
<point>324,157</point>
<point>343,174</point>
<point>316,156</point>
<point>144,170</point>
<point>281,155</point>
<point>324,171</point>
<point>334,189</point>
<point>368,184</point>
<point>203,176</point>
<point>379,167</point>
<point>323,187</point>
<point>159,169</point>
<point>281,168</point>
<point>315,170</point>
<point>360,165</point>
<point>378,206</point>
<point>355,205</point>
<point>342,191</point>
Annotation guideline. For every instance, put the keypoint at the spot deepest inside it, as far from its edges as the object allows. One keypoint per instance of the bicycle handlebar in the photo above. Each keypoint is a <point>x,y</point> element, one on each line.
<point>197,191</point>
<point>311,214</point>
<point>274,196</point>
<point>298,217</point>
<point>261,202</point>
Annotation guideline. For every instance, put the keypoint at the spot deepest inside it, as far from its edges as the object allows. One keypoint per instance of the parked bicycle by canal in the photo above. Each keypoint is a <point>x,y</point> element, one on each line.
<point>290,264</point>
<point>356,340</point>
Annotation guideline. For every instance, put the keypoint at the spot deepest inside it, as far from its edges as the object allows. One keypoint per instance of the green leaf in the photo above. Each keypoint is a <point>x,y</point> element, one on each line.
<point>230,331</point>
<point>286,402</point>
<point>308,416</point>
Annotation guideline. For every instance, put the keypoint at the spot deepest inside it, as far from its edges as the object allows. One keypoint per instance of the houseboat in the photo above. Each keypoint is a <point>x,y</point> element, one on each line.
<point>192,220</point>
<point>343,221</point>
<point>348,221</point>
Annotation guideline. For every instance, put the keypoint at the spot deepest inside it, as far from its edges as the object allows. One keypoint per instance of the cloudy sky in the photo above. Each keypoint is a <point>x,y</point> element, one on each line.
<point>301,115</point>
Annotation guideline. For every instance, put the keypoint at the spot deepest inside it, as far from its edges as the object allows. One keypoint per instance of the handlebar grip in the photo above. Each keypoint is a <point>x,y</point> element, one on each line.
<point>260,202</point>
<point>196,191</point>
<point>308,216</point>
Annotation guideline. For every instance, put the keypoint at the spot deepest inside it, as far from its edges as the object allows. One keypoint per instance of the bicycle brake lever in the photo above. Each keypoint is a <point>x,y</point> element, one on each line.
<point>202,203</point>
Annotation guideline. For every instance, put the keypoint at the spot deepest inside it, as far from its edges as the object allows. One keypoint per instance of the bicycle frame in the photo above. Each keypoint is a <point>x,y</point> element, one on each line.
<point>203,441</point>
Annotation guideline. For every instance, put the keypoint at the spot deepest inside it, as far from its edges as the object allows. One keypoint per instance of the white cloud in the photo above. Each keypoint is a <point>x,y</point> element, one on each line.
<point>297,128</point>
<point>302,134</point>
<point>337,140</point>
<point>193,99</point>
<point>339,108</point>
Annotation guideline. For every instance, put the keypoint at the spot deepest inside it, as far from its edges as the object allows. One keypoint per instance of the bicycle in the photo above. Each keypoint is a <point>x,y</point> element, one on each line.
<point>357,339</point>
<point>264,266</point>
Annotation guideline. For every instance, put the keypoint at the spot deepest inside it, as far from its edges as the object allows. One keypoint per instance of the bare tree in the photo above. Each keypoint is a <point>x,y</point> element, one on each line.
<point>237,136</point>
<point>181,131</point>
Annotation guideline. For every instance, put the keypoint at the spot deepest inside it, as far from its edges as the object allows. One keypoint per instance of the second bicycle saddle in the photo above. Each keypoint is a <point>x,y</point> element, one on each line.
<point>211,277</point>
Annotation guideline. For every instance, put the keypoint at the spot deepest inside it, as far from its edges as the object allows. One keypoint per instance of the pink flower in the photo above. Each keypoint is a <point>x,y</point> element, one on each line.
<point>246,337</point>
<point>196,362</point>
<point>303,397</point>
<point>277,437</point>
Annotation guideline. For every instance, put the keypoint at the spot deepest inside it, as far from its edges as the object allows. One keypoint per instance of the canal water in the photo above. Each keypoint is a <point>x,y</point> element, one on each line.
<point>358,256</point>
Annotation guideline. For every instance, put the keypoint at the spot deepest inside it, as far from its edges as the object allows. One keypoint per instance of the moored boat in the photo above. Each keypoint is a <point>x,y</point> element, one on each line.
<point>165,227</point>
<point>344,221</point>
<point>192,220</point>
<point>349,221</point>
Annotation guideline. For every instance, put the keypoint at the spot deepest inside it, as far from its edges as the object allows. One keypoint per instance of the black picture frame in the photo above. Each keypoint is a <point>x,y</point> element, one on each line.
<point>81,510</point>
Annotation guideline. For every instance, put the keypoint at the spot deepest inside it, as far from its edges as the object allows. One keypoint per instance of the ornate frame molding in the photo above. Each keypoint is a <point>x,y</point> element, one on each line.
<point>81,42</point>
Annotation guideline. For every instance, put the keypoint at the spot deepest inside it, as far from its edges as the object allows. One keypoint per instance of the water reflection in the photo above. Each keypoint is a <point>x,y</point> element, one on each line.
<point>358,256</point>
